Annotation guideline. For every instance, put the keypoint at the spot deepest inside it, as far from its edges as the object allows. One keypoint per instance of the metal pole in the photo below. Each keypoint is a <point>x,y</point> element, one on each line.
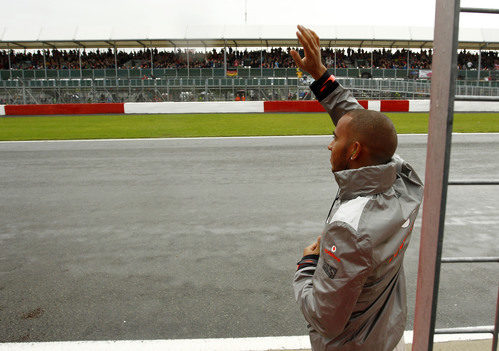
<point>479,64</point>
<point>335,62</point>
<point>261,62</point>
<point>115,63</point>
<point>24,94</point>
<point>372,62</point>
<point>496,325</point>
<point>225,58</point>
<point>44,63</point>
<point>10,64</point>
<point>478,10</point>
<point>407,62</point>
<point>152,63</point>
<point>79,60</point>
<point>188,65</point>
<point>437,171</point>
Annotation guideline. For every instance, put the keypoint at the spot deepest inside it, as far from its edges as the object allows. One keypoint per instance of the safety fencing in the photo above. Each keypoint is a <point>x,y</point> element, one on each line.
<point>232,107</point>
<point>68,91</point>
<point>482,77</point>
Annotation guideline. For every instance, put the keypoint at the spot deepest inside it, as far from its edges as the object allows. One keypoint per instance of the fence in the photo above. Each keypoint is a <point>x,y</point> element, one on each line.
<point>466,75</point>
<point>42,91</point>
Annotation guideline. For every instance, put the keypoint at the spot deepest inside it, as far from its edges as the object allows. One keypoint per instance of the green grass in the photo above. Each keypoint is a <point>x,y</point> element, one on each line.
<point>198,125</point>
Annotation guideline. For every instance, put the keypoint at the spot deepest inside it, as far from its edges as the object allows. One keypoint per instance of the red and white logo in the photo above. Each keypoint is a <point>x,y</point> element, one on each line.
<point>331,252</point>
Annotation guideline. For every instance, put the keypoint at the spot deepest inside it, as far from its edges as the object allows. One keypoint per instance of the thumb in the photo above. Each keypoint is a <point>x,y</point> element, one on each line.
<point>318,240</point>
<point>296,57</point>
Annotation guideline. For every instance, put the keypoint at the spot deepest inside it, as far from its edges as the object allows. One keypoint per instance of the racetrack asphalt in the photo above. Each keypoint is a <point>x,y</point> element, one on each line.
<point>199,238</point>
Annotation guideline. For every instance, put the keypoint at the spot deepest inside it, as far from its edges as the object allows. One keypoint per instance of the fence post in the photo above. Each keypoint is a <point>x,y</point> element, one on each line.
<point>437,171</point>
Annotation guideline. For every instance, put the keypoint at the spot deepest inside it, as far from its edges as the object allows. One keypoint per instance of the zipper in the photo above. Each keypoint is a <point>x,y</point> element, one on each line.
<point>336,198</point>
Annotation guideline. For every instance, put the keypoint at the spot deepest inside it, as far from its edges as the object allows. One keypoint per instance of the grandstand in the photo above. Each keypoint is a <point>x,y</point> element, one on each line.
<point>373,61</point>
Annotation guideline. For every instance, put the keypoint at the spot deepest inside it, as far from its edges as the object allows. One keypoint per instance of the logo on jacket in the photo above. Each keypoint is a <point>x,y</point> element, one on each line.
<point>331,252</point>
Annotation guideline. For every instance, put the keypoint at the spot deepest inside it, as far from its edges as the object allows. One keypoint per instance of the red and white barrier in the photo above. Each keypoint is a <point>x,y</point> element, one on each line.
<point>233,107</point>
<point>382,105</point>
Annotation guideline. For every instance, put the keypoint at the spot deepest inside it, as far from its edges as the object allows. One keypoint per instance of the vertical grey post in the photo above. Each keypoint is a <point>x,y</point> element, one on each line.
<point>168,89</point>
<point>206,90</point>
<point>261,62</point>
<point>335,62</point>
<point>79,61</point>
<point>44,63</point>
<point>116,63</point>
<point>225,58</point>
<point>479,64</point>
<point>437,171</point>
<point>408,62</point>
<point>188,64</point>
<point>496,325</point>
<point>372,61</point>
<point>152,62</point>
<point>10,63</point>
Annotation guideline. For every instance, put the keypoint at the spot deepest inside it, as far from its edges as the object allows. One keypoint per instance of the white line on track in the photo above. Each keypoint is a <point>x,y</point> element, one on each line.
<point>210,138</point>
<point>229,344</point>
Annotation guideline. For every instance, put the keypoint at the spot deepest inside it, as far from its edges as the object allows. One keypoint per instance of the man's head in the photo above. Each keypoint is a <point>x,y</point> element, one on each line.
<point>362,138</point>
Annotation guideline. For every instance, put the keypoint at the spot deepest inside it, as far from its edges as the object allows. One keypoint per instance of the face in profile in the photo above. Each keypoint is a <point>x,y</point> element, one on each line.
<point>340,144</point>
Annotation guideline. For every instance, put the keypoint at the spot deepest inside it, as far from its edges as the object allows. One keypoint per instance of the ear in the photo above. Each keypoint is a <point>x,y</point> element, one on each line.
<point>356,150</point>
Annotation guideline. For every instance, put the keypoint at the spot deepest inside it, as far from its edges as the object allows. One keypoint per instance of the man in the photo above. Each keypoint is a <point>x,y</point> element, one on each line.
<point>350,284</point>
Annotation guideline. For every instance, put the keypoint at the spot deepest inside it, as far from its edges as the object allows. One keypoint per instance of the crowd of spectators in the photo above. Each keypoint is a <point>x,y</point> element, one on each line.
<point>268,58</point>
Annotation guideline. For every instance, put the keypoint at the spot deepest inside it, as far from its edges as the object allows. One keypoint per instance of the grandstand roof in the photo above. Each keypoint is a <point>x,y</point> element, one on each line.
<point>236,36</point>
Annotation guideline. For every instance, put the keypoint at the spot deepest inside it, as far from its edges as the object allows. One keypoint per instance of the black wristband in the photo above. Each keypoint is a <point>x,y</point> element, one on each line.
<point>308,261</point>
<point>324,86</point>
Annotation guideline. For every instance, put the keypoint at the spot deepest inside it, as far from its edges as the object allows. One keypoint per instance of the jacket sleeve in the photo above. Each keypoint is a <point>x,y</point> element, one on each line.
<point>328,292</point>
<point>335,99</point>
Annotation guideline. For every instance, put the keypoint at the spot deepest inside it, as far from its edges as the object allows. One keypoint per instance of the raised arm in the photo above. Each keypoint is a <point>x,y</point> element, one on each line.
<point>336,100</point>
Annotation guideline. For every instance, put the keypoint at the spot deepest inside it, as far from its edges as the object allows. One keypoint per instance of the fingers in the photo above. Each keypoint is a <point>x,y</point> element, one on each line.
<point>316,38</point>
<point>306,41</point>
<point>310,37</point>
<point>296,57</point>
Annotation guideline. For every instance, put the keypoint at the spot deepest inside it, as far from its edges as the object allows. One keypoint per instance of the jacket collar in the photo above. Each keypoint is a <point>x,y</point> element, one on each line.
<point>366,180</point>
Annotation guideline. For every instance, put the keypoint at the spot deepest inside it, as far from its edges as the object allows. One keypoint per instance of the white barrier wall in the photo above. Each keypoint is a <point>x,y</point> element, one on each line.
<point>374,105</point>
<point>2,110</point>
<point>476,106</point>
<point>195,107</point>
<point>459,106</point>
<point>419,105</point>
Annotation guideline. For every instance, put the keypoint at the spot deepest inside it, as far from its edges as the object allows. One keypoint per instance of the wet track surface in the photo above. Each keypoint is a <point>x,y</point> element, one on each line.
<point>199,238</point>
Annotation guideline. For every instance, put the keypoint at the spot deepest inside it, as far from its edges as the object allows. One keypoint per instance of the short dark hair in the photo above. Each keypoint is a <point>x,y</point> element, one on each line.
<point>375,131</point>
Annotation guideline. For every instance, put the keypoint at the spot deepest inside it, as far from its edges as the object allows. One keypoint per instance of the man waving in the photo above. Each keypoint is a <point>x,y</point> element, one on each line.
<point>350,284</point>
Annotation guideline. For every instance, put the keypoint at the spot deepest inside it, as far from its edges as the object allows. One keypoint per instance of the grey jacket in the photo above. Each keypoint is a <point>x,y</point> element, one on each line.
<point>353,295</point>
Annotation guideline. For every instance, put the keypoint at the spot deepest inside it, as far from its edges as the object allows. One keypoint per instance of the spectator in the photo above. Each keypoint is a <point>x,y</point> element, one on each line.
<point>269,58</point>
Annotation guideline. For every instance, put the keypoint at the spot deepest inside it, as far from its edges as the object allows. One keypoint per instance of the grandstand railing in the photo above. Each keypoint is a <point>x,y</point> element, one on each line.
<point>419,88</point>
<point>35,91</point>
<point>31,74</point>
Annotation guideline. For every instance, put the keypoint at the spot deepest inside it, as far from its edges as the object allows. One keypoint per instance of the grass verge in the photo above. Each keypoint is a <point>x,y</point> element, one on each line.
<point>205,125</point>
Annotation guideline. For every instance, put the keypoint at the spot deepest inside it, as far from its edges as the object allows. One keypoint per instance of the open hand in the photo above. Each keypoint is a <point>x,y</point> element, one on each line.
<point>311,63</point>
